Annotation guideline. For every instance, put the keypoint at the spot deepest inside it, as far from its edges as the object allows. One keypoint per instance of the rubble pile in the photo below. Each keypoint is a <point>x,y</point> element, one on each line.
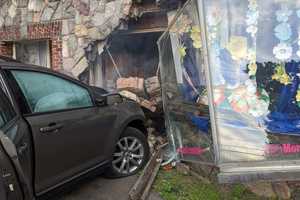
<point>146,92</point>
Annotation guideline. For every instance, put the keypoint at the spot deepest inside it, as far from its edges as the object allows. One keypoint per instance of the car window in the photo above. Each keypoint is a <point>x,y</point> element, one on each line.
<point>45,92</point>
<point>7,113</point>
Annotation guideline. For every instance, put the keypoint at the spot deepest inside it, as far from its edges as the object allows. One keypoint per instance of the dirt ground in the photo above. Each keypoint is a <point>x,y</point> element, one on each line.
<point>104,189</point>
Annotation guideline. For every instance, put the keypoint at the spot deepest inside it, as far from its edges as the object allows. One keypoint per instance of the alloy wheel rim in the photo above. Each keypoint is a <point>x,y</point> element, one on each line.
<point>128,156</point>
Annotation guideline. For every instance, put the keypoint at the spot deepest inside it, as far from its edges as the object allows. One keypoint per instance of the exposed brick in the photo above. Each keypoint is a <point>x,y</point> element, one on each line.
<point>6,49</point>
<point>50,31</point>
<point>10,33</point>
<point>44,30</point>
<point>56,53</point>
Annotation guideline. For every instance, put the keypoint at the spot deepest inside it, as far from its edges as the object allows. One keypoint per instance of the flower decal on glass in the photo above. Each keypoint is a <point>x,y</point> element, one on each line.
<point>281,76</point>
<point>252,5</point>
<point>283,14</point>
<point>298,52</point>
<point>196,37</point>
<point>283,51</point>
<point>182,51</point>
<point>298,97</point>
<point>252,22</point>
<point>214,18</point>
<point>238,47</point>
<point>283,31</point>
<point>252,30</point>
<point>252,17</point>
<point>298,13</point>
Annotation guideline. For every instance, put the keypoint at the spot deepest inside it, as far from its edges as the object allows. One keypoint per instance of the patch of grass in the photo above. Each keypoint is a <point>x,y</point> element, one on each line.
<point>172,185</point>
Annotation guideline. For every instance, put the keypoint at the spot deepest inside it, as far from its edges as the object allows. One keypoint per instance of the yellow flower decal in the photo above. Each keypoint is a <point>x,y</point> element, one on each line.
<point>252,69</point>
<point>196,37</point>
<point>238,47</point>
<point>182,51</point>
<point>281,75</point>
<point>298,96</point>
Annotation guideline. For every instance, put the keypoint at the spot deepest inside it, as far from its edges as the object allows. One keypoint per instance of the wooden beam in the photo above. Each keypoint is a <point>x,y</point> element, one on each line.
<point>141,188</point>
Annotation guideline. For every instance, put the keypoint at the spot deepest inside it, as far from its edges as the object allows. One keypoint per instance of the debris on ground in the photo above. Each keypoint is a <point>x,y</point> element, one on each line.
<point>143,185</point>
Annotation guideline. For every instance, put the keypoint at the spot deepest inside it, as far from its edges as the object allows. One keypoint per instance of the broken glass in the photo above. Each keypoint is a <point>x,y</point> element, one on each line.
<point>184,87</point>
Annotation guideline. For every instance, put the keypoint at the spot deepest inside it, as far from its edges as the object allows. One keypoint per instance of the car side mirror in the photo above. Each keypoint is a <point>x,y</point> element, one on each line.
<point>109,99</point>
<point>113,99</point>
<point>101,101</point>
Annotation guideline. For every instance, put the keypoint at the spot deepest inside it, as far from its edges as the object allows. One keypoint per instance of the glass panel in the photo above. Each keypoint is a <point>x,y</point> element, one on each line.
<point>45,92</point>
<point>183,86</point>
<point>254,51</point>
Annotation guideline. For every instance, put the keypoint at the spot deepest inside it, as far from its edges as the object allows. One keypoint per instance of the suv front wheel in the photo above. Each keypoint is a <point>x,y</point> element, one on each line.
<point>131,153</point>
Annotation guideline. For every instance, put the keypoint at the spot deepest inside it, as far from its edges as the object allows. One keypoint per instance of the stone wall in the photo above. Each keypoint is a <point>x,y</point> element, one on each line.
<point>69,25</point>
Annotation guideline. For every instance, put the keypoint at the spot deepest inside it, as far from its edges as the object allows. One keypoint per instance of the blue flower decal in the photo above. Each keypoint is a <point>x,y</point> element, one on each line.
<point>252,17</point>
<point>283,31</point>
<point>298,13</point>
<point>283,14</point>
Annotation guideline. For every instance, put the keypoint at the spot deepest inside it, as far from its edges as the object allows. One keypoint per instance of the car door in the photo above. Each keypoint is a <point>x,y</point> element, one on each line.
<point>70,133</point>
<point>15,152</point>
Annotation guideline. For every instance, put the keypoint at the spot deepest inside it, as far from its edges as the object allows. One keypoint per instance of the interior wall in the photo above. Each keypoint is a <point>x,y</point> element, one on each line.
<point>135,55</point>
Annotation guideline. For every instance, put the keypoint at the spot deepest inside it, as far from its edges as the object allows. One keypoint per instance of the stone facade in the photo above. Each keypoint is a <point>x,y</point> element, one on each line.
<point>68,25</point>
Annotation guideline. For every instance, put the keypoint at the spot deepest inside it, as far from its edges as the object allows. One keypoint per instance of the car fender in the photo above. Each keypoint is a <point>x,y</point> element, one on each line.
<point>124,124</point>
<point>130,120</point>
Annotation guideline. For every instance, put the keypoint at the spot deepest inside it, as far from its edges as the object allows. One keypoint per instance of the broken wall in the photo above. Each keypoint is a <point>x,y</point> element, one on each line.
<point>70,25</point>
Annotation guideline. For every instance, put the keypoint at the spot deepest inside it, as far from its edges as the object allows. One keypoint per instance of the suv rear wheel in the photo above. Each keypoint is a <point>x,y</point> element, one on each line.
<point>131,153</point>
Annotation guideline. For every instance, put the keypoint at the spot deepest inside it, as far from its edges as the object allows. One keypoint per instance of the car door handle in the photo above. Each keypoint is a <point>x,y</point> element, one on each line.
<point>53,127</point>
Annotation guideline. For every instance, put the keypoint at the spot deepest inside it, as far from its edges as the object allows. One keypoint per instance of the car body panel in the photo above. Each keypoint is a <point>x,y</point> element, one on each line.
<point>80,143</point>
<point>85,142</point>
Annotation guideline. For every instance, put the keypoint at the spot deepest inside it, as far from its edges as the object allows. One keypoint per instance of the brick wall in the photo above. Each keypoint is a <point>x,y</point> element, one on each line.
<point>6,49</point>
<point>36,31</point>
<point>44,30</point>
<point>10,33</point>
<point>52,32</point>
<point>56,53</point>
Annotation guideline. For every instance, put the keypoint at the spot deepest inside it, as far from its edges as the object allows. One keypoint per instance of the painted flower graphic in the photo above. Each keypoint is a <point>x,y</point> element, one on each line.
<point>298,53</point>
<point>252,5</point>
<point>196,37</point>
<point>283,31</point>
<point>214,18</point>
<point>281,76</point>
<point>182,51</point>
<point>283,51</point>
<point>283,14</point>
<point>298,13</point>
<point>252,18</point>
<point>252,30</point>
<point>298,97</point>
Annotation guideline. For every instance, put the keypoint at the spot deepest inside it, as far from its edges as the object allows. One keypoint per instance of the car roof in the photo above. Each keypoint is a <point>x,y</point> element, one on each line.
<point>10,63</point>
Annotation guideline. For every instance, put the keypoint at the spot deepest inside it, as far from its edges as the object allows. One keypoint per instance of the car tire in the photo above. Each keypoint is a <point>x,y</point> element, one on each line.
<point>131,154</point>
